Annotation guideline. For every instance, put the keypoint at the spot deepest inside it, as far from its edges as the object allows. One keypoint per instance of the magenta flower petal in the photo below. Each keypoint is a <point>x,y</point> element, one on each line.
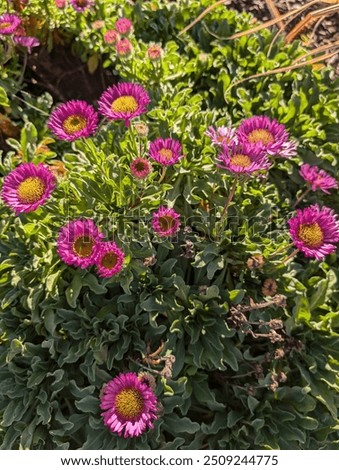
<point>27,41</point>
<point>27,187</point>
<point>317,179</point>
<point>314,231</point>
<point>129,405</point>
<point>221,135</point>
<point>8,23</point>
<point>79,243</point>
<point>165,222</point>
<point>165,151</point>
<point>81,5</point>
<point>124,101</point>
<point>109,260</point>
<point>261,131</point>
<point>140,168</point>
<point>242,158</point>
<point>73,120</point>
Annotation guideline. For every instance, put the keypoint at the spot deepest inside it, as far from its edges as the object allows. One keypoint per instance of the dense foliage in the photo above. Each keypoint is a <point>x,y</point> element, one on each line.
<point>239,364</point>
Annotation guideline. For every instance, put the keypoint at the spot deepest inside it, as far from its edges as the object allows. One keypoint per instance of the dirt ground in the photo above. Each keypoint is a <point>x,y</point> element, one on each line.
<point>320,31</point>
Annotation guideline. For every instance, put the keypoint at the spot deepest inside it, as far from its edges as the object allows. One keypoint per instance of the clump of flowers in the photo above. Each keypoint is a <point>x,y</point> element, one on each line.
<point>129,405</point>
<point>315,231</point>
<point>267,134</point>
<point>317,179</point>
<point>154,52</point>
<point>221,135</point>
<point>242,158</point>
<point>110,259</point>
<point>165,222</point>
<point>123,47</point>
<point>81,5</point>
<point>140,168</point>
<point>165,151</point>
<point>111,36</point>
<point>124,101</point>
<point>79,243</point>
<point>8,23</point>
<point>27,187</point>
<point>73,120</point>
<point>123,25</point>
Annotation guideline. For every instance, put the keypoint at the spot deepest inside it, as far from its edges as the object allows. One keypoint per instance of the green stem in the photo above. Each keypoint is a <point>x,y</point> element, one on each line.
<point>24,65</point>
<point>301,197</point>
<point>289,257</point>
<point>163,174</point>
<point>229,199</point>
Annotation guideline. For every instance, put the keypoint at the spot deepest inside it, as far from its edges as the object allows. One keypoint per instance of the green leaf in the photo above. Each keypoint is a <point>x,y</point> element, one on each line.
<point>177,425</point>
<point>72,292</point>
<point>302,310</point>
<point>88,404</point>
<point>93,63</point>
<point>3,98</point>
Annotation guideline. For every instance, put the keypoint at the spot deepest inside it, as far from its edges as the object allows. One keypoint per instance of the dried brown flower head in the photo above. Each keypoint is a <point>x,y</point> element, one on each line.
<point>269,288</point>
<point>256,261</point>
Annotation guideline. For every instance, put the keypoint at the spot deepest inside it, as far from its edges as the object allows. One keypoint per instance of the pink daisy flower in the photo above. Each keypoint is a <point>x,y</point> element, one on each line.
<point>261,131</point>
<point>140,168</point>
<point>27,41</point>
<point>81,5</point>
<point>317,179</point>
<point>129,406</point>
<point>8,23</point>
<point>27,187</point>
<point>242,158</point>
<point>79,243</point>
<point>110,259</point>
<point>123,25</point>
<point>154,52</point>
<point>111,36</point>
<point>123,47</point>
<point>314,231</point>
<point>165,222</point>
<point>73,120</point>
<point>124,101</point>
<point>221,135</point>
<point>165,151</point>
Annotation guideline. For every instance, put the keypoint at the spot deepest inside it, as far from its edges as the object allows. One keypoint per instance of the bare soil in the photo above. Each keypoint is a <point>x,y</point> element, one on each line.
<point>320,31</point>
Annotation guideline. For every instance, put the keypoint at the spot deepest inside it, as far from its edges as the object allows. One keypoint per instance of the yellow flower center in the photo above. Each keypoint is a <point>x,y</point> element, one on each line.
<point>125,104</point>
<point>129,403</point>
<point>166,222</point>
<point>241,160</point>
<point>109,260</point>
<point>83,246</point>
<point>31,190</point>
<point>74,123</point>
<point>260,135</point>
<point>167,154</point>
<point>5,25</point>
<point>311,234</point>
